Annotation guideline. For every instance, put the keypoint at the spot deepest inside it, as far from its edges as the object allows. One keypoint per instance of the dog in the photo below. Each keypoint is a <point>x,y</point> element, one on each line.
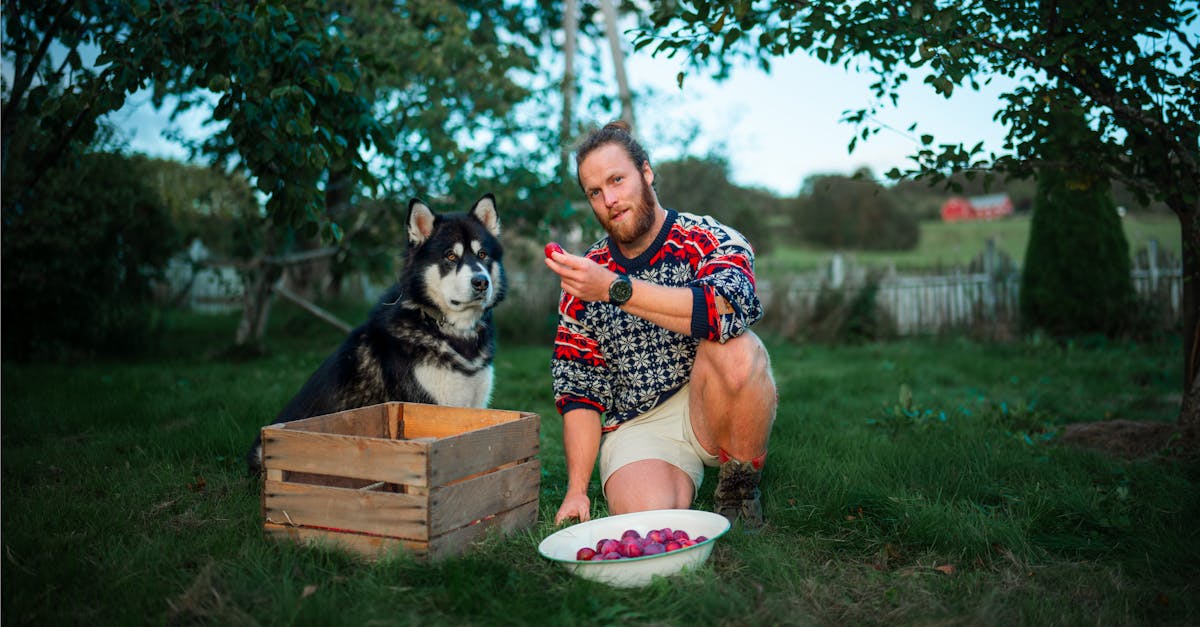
<point>430,339</point>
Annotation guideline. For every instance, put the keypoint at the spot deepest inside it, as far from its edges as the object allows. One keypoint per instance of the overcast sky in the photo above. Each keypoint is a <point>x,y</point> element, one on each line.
<point>779,128</point>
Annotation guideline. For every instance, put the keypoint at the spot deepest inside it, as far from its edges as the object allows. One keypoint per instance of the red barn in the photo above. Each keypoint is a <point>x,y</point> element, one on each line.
<point>987,207</point>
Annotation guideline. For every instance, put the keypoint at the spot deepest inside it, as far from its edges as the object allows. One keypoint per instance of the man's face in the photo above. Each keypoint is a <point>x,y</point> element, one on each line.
<point>619,193</point>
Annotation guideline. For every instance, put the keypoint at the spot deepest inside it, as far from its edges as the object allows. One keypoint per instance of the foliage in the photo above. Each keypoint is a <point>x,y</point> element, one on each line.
<point>207,204</point>
<point>1076,277</point>
<point>79,258</point>
<point>702,186</point>
<point>1134,71</point>
<point>281,76</point>
<point>1130,68</point>
<point>845,316</point>
<point>137,501</point>
<point>452,82</point>
<point>853,212</point>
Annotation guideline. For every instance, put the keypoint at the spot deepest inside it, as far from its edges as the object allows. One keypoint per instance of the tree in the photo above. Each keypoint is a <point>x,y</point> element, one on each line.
<point>1132,67</point>
<point>283,81</point>
<point>1076,276</point>
<point>281,74</point>
<point>853,212</point>
<point>300,94</point>
<point>702,186</point>
<point>443,78</point>
<point>79,258</point>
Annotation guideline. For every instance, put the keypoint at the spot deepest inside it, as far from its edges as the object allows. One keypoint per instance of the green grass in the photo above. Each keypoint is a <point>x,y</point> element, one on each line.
<point>946,245</point>
<point>125,499</point>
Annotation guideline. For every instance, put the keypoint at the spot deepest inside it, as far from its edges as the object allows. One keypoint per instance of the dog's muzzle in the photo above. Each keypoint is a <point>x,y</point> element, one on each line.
<point>480,284</point>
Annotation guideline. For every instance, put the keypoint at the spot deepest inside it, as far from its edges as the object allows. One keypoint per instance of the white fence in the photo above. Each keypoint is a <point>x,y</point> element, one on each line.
<point>193,284</point>
<point>920,304</point>
<point>916,304</point>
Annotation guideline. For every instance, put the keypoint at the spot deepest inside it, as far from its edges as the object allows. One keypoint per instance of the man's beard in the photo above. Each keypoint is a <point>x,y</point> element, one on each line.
<point>640,220</point>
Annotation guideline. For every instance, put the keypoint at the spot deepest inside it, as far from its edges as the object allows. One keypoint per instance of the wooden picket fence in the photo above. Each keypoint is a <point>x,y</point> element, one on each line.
<point>987,295</point>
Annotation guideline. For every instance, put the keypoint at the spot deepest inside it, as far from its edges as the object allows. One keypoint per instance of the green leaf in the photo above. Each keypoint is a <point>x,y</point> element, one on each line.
<point>332,232</point>
<point>218,83</point>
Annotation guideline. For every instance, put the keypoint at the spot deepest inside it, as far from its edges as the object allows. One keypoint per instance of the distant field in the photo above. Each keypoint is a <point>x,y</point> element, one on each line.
<point>949,245</point>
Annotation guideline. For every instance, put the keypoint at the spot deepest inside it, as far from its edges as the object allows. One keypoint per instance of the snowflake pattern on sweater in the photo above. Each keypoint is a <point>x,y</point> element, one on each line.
<point>621,365</point>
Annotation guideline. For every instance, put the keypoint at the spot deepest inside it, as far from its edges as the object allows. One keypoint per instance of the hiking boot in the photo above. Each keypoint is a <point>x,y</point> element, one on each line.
<point>737,495</point>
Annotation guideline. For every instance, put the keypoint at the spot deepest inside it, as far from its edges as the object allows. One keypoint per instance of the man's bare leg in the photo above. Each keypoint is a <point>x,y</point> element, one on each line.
<point>733,401</point>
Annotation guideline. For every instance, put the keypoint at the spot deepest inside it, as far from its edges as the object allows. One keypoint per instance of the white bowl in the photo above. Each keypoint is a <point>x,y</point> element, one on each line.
<point>633,572</point>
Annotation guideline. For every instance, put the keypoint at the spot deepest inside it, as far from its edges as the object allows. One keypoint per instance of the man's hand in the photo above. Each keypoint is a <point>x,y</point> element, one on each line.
<point>581,277</point>
<point>574,506</point>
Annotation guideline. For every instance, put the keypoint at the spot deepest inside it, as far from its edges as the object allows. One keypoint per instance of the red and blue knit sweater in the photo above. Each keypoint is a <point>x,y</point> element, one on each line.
<point>621,365</point>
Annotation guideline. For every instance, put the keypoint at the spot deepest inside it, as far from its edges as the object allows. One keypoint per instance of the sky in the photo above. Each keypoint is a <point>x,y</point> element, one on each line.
<point>775,129</point>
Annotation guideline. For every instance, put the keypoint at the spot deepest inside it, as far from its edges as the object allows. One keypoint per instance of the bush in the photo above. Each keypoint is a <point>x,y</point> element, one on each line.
<point>80,253</point>
<point>846,213</point>
<point>702,187</point>
<point>1076,279</point>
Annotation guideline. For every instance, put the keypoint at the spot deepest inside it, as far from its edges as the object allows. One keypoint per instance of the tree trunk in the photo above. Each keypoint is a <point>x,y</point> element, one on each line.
<point>570,32</point>
<point>618,55</point>
<point>1189,222</point>
<point>256,305</point>
<point>337,205</point>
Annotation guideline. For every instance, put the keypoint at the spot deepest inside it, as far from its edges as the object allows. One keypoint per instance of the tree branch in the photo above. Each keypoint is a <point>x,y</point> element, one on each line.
<point>24,77</point>
<point>1105,96</point>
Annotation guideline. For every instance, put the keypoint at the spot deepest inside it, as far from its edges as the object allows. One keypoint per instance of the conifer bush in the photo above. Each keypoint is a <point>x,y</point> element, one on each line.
<point>1076,279</point>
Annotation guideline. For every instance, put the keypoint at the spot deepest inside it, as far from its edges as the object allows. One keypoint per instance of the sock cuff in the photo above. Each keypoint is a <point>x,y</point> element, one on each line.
<point>757,462</point>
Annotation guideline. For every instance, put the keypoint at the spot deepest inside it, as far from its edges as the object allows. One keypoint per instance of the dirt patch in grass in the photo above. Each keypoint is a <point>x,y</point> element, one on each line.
<point>1131,439</point>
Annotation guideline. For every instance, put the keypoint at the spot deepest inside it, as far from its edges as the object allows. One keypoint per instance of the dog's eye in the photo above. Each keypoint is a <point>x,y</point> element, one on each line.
<point>451,257</point>
<point>482,254</point>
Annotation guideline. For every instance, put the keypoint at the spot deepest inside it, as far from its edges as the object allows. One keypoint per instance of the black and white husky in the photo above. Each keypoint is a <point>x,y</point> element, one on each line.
<point>430,339</point>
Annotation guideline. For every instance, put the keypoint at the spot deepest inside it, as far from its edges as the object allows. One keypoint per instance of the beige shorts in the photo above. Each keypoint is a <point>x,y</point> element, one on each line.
<point>665,433</point>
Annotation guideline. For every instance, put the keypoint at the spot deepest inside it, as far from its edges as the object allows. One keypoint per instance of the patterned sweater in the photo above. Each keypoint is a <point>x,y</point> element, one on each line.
<point>622,365</point>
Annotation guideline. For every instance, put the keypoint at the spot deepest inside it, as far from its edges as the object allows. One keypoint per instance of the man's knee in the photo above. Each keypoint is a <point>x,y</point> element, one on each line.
<point>738,364</point>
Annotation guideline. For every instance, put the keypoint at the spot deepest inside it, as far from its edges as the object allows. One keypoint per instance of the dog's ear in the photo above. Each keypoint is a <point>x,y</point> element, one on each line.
<point>485,212</point>
<point>420,221</point>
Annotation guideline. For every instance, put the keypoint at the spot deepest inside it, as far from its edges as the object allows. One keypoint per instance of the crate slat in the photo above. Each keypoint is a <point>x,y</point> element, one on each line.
<point>369,422</point>
<point>383,513</point>
<point>458,505</point>
<point>370,547</point>
<point>436,421</point>
<point>374,459</point>
<point>457,456</point>
<point>456,542</point>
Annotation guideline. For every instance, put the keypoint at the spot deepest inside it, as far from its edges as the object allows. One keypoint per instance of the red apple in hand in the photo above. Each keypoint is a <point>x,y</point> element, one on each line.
<point>552,248</point>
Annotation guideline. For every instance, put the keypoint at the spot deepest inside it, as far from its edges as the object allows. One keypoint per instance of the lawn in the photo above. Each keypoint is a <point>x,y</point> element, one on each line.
<point>126,502</point>
<point>948,245</point>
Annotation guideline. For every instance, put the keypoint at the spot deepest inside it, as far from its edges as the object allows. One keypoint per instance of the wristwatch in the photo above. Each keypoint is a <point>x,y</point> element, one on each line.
<point>620,290</point>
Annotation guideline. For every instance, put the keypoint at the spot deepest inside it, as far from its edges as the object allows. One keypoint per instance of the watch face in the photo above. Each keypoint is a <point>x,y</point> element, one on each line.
<point>620,290</point>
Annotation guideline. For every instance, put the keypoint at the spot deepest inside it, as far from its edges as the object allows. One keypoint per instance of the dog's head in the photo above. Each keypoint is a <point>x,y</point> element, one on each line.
<point>454,261</point>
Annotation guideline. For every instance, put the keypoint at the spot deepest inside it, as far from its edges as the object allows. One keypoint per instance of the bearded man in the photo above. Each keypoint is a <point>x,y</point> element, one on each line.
<point>656,371</point>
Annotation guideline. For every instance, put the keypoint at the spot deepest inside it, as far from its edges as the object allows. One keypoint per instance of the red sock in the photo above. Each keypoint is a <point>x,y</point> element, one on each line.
<point>757,462</point>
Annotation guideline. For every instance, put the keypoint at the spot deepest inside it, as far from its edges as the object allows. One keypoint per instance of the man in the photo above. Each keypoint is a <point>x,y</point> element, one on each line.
<point>654,334</point>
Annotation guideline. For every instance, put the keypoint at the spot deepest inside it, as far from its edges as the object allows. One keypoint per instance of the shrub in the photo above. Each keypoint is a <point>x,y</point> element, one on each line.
<point>1076,279</point>
<point>702,186</point>
<point>80,252</point>
<point>850,314</point>
<point>841,212</point>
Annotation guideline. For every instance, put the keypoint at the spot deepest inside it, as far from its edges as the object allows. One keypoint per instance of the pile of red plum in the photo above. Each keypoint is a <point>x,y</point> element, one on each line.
<point>632,544</point>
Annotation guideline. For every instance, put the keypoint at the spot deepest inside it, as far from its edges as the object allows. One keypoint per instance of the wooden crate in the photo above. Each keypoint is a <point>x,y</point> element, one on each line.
<point>427,478</point>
